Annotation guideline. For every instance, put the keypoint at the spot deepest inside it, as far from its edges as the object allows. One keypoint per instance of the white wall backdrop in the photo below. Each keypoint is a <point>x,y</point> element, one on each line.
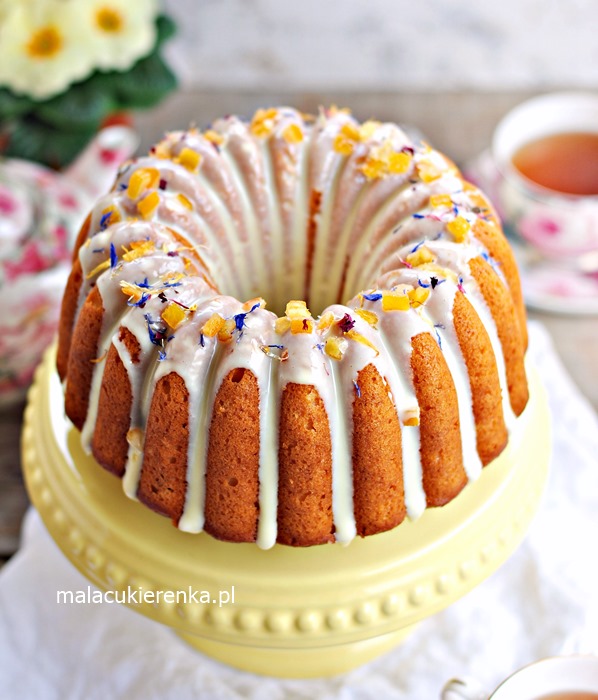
<point>385,44</point>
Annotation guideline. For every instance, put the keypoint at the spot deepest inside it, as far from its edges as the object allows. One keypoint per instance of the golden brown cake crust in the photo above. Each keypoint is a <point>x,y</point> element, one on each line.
<point>501,306</point>
<point>232,487</point>
<point>82,356</point>
<point>441,451</point>
<point>491,236</point>
<point>109,444</point>
<point>491,431</point>
<point>82,236</point>
<point>305,469</point>
<point>378,492</point>
<point>312,229</point>
<point>163,480</point>
<point>67,318</point>
<point>70,301</point>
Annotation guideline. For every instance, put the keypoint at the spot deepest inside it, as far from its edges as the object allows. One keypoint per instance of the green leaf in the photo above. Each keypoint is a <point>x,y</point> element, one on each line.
<point>107,84</point>
<point>144,85</point>
<point>54,131</point>
<point>34,140</point>
<point>147,82</point>
<point>166,29</point>
<point>12,105</point>
<point>80,107</point>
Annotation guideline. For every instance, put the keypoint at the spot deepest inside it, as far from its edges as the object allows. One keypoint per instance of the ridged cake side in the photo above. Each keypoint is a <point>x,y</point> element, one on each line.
<point>291,427</point>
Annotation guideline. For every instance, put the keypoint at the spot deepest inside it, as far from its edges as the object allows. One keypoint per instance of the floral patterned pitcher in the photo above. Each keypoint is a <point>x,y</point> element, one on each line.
<point>40,214</point>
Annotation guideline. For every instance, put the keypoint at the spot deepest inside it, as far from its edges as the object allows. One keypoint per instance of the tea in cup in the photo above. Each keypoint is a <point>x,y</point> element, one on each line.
<point>546,154</point>
<point>557,678</point>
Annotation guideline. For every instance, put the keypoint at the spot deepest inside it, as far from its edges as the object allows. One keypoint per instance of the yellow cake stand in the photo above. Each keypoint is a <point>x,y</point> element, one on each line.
<point>297,612</point>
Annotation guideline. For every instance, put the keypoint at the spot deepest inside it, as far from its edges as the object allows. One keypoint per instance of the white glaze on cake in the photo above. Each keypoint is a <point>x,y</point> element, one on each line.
<point>244,210</point>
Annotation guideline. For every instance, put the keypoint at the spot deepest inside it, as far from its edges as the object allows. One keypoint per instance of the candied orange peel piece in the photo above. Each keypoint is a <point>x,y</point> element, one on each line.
<point>297,309</point>
<point>282,325</point>
<point>347,137</point>
<point>421,256</point>
<point>214,137</point>
<point>302,325</point>
<point>441,200</point>
<point>384,160</point>
<point>335,347</point>
<point>326,320</point>
<point>368,316</point>
<point>395,301</point>
<point>173,315</point>
<point>189,159</point>
<point>418,296</point>
<point>263,122</point>
<point>297,319</point>
<point>459,228</point>
<point>213,325</point>
<point>292,134</point>
<point>142,180</point>
<point>226,332</point>
<point>351,134</point>
<point>148,205</point>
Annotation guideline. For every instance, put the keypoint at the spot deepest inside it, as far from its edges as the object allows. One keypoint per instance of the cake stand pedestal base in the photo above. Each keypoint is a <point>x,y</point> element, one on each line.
<point>299,663</point>
<point>292,612</point>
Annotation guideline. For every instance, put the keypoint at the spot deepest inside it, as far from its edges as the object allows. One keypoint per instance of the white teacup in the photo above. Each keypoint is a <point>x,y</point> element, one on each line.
<point>560,674</point>
<point>556,224</point>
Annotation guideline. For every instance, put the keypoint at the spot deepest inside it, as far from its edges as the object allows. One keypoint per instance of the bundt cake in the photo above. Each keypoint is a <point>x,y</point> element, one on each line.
<point>308,420</point>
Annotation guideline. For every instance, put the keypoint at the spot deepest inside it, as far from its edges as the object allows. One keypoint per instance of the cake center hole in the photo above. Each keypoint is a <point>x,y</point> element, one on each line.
<point>319,271</point>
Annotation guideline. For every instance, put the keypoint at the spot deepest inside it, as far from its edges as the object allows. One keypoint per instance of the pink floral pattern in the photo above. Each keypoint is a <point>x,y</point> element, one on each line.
<point>7,202</point>
<point>40,214</point>
<point>25,335</point>
<point>33,265</point>
<point>32,260</point>
<point>541,229</point>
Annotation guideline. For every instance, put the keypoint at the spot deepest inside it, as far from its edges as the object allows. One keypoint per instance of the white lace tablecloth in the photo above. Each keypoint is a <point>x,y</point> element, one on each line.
<point>542,602</point>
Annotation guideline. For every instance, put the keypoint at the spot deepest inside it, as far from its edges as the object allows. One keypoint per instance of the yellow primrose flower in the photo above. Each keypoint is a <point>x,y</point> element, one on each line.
<point>120,31</point>
<point>46,45</point>
<point>41,50</point>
